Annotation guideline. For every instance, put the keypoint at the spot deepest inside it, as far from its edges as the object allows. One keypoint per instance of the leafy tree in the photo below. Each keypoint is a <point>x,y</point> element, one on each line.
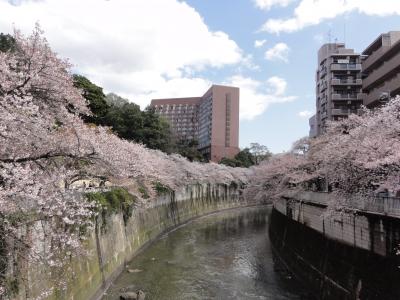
<point>189,150</point>
<point>126,121</point>
<point>231,162</point>
<point>243,159</point>
<point>246,158</point>
<point>156,132</point>
<point>260,152</point>
<point>7,43</point>
<point>130,123</point>
<point>95,97</point>
<point>115,100</point>
<point>146,127</point>
<point>46,150</point>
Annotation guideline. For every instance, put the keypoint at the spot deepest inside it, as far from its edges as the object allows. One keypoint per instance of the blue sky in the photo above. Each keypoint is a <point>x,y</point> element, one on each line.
<point>281,124</point>
<point>146,49</point>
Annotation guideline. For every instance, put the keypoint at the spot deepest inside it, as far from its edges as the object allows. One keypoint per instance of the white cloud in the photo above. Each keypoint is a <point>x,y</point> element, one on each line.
<point>313,12</point>
<point>138,49</point>
<point>267,4</point>
<point>256,96</point>
<point>278,52</point>
<point>259,43</point>
<point>248,62</point>
<point>306,114</point>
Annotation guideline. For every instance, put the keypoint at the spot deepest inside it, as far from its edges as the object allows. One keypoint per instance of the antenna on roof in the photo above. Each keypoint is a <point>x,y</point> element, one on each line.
<point>344,32</point>
<point>329,36</point>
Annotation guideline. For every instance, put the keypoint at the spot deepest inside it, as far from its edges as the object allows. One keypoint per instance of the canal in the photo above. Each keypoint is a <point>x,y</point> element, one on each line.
<point>226,255</point>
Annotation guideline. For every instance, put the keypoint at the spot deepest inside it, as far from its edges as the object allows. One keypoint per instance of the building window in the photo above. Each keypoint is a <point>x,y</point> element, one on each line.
<point>227,120</point>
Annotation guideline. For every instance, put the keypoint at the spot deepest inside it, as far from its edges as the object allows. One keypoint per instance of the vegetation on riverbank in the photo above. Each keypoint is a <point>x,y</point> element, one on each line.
<point>358,157</point>
<point>53,137</point>
<point>44,142</point>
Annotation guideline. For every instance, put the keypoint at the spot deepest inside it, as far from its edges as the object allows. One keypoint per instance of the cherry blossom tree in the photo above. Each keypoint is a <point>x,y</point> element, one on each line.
<point>356,158</point>
<point>362,153</point>
<point>45,147</point>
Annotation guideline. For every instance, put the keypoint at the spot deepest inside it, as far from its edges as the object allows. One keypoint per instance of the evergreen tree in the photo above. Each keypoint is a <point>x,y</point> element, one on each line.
<point>243,159</point>
<point>7,42</point>
<point>95,97</point>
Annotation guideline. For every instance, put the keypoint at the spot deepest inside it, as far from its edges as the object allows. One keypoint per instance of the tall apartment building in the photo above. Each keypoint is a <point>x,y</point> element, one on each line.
<point>212,120</point>
<point>338,84</point>
<point>381,69</point>
<point>312,123</point>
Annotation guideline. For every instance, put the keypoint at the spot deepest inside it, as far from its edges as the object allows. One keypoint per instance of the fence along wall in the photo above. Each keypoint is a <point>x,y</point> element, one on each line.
<point>341,255</point>
<point>114,242</point>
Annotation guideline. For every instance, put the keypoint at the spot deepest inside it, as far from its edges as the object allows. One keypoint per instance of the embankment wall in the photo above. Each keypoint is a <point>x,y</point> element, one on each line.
<point>349,254</point>
<point>114,241</point>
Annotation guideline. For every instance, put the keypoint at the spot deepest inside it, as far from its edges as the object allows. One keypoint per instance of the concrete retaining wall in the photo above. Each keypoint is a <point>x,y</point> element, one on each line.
<point>340,255</point>
<point>115,243</point>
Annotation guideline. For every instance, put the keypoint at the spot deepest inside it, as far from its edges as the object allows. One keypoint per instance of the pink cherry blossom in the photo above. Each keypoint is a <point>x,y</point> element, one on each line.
<point>46,147</point>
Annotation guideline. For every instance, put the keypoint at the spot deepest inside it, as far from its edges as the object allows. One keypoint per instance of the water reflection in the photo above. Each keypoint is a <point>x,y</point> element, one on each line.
<point>221,256</point>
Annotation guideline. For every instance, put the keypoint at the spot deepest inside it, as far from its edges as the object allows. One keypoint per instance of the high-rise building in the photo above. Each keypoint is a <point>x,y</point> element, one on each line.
<point>313,126</point>
<point>381,69</point>
<point>212,120</point>
<point>338,84</point>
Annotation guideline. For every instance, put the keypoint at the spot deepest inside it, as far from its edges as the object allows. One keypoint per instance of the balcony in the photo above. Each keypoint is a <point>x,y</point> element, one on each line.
<point>345,67</point>
<point>389,87</point>
<point>346,81</point>
<point>373,58</point>
<point>344,111</point>
<point>336,81</point>
<point>378,75</point>
<point>344,96</point>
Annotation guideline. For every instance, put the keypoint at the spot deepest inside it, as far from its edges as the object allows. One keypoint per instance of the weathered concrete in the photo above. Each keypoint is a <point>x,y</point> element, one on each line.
<point>340,255</point>
<point>113,242</point>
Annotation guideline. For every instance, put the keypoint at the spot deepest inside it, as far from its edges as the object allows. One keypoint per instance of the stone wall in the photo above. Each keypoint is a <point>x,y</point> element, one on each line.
<point>114,242</point>
<point>339,255</point>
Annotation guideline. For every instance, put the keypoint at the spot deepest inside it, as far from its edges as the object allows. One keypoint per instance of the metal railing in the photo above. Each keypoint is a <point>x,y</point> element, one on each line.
<point>344,111</point>
<point>345,81</point>
<point>336,96</point>
<point>350,66</point>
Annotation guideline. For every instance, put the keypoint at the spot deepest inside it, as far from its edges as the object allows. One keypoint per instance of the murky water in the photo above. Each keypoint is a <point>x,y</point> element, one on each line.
<point>221,256</point>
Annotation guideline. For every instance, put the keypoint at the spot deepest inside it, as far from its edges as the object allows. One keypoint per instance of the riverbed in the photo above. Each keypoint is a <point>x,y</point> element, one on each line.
<point>226,255</point>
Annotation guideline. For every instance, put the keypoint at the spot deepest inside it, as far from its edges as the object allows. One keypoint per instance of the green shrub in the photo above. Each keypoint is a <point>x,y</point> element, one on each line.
<point>144,192</point>
<point>161,189</point>
<point>114,201</point>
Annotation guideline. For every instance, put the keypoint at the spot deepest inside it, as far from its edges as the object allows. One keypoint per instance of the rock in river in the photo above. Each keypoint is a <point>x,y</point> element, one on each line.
<point>139,295</point>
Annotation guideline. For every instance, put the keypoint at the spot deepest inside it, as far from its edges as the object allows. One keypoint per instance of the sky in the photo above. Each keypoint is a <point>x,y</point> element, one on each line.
<point>146,49</point>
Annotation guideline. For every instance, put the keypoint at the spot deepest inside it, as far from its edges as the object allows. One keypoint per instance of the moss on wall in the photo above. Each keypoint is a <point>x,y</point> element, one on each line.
<point>161,189</point>
<point>113,201</point>
<point>127,228</point>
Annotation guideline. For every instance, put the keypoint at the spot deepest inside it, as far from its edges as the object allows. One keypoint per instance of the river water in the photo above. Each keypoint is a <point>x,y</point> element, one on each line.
<point>226,255</point>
